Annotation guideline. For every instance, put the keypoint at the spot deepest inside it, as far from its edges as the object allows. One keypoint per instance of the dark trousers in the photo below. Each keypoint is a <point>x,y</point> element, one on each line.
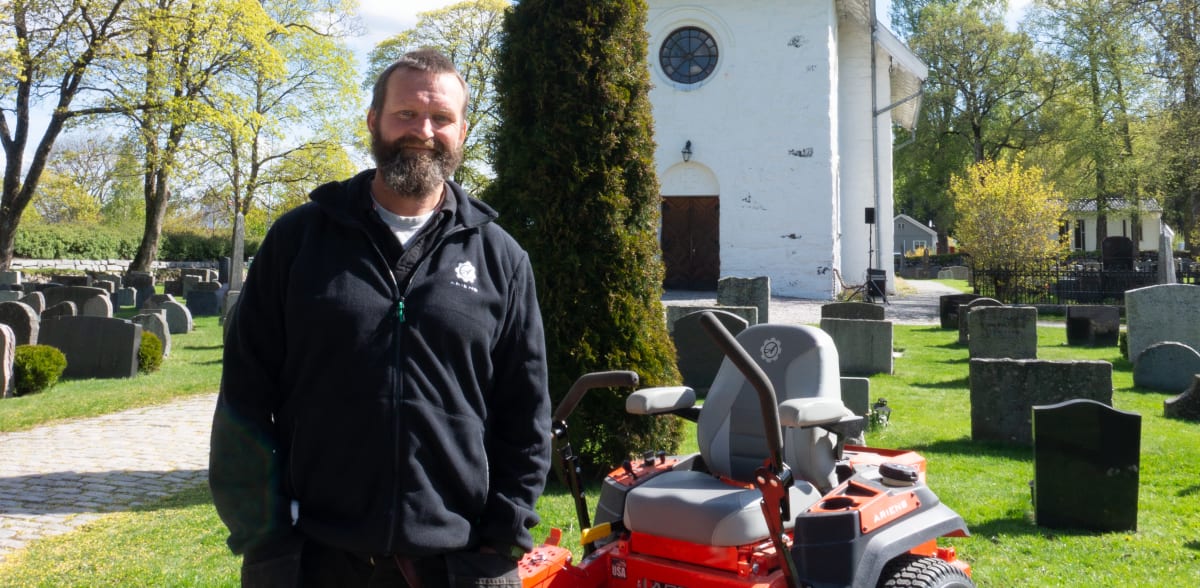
<point>321,566</point>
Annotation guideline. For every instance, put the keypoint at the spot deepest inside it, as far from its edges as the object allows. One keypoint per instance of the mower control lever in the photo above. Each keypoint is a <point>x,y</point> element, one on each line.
<point>613,379</point>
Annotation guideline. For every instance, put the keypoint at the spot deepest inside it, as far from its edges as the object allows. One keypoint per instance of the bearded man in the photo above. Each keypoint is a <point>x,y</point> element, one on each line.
<point>383,417</point>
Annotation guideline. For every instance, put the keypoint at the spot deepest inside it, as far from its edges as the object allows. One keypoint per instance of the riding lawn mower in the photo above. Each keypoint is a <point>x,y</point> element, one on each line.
<point>775,498</point>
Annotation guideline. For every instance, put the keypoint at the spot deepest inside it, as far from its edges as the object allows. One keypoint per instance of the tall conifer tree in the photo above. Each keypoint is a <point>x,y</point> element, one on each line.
<point>575,184</point>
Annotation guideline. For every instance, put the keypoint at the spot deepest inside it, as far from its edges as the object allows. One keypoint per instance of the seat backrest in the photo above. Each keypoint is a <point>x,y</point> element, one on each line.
<point>801,362</point>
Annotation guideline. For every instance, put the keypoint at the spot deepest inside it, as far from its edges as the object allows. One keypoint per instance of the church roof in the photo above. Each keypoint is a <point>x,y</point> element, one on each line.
<point>907,71</point>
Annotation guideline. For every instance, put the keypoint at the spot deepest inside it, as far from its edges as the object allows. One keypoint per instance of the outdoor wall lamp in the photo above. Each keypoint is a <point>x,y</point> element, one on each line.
<point>687,151</point>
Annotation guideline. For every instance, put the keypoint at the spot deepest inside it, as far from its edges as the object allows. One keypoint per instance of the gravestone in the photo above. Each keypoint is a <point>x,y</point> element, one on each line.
<point>1093,325</point>
<point>98,305</point>
<point>864,347</point>
<point>204,299</point>
<point>95,347</point>
<point>142,283</point>
<point>10,295</point>
<point>36,301</point>
<point>108,286</point>
<point>1185,406</point>
<point>155,322</point>
<point>117,280</point>
<point>23,321</point>
<point>1166,312</point>
<point>173,287</point>
<point>697,356</point>
<point>10,277</point>
<point>1003,391</point>
<point>1117,253</point>
<point>674,312</point>
<point>125,297</point>
<point>852,310</point>
<point>964,310</point>
<point>228,304</point>
<point>187,282</point>
<point>754,292</point>
<point>76,294</point>
<point>237,266</point>
<point>1003,332</point>
<point>1166,258</point>
<point>70,280</point>
<point>1166,367</point>
<point>62,309</point>
<point>856,395</point>
<point>8,351</point>
<point>1086,458</point>
<point>179,318</point>
<point>945,274</point>
<point>960,272</point>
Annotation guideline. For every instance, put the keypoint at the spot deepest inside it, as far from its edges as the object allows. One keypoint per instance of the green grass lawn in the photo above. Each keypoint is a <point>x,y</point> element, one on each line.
<point>179,541</point>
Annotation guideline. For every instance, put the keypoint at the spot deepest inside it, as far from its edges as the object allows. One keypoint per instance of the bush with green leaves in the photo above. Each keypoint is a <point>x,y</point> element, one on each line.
<point>150,353</point>
<point>576,149</point>
<point>86,241</point>
<point>36,368</point>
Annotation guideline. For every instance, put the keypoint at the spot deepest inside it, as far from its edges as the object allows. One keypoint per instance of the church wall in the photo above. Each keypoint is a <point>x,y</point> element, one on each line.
<point>764,125</point>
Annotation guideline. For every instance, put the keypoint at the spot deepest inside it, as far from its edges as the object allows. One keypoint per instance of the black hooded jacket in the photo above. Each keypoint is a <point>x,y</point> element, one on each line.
<point>408,418</point>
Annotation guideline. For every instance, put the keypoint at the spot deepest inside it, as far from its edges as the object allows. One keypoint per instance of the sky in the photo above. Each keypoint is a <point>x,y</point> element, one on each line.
<point>384,18</point>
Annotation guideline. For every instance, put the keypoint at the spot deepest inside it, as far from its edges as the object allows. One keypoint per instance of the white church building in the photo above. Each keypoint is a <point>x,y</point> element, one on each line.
<point>774,123</point>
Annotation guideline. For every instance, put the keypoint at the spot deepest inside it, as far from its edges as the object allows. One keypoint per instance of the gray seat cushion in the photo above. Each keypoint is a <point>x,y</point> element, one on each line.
<point>698,508</point>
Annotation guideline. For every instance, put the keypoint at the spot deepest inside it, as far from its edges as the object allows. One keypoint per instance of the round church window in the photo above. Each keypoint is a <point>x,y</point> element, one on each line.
<point>689,55</point>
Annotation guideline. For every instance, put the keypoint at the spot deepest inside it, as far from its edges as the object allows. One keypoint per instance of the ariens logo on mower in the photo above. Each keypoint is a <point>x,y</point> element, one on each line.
<point>891,511</point>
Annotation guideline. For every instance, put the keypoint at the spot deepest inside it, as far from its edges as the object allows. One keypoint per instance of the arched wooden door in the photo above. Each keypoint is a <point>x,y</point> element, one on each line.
<point>691,242</point>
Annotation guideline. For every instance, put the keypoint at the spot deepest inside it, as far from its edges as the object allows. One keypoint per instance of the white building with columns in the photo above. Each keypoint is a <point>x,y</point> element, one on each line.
<point>774,122</point>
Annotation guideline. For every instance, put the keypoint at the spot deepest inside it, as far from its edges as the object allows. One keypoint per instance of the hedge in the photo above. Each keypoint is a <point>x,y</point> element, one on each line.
<point>75,241</point>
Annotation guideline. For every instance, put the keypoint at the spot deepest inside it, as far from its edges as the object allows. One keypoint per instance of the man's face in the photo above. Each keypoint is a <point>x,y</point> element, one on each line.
<point>418,132</point>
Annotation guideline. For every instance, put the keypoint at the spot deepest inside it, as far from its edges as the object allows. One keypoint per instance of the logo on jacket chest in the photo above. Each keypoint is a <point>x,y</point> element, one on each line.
<point>464,274</point>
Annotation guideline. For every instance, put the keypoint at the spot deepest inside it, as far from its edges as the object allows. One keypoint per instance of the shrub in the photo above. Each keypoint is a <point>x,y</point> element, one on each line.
<point>36,368</point>
<point>150,353</point>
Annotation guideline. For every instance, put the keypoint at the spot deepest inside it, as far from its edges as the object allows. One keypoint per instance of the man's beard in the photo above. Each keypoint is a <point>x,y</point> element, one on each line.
<point>411,171</point>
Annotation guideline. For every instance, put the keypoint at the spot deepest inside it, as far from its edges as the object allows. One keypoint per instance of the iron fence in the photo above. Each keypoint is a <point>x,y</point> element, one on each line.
<point>1047,283</point>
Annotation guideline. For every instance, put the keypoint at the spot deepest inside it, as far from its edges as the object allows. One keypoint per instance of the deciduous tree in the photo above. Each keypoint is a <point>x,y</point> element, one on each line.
<point>1008,216</point>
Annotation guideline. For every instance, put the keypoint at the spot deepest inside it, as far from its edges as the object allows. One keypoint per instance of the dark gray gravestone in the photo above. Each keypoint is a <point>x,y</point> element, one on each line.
<point>1186,406</point>
<point>76,294</point>
<point>746,292</point>
<point>1093,325</point>
<point>204,299</point>
<point>1116,253</point>
<point>856,395</point>
<point>124,297</point>
<point>66,280</point>
<point>697,356</point>
<point>60,310</point>
<point>864,347</point>
<point>1086,457</point>
<point>1166,367</point>
<point>964,310</point>
<point>95,347</point>
<point>143,284</point>
<point>852,310</point>
<point>23,321</point>
<point>1004,390</point>
<point>1002,331</point>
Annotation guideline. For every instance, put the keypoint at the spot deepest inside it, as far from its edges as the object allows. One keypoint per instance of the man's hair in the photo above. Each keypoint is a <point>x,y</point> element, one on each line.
<point>427,60</point>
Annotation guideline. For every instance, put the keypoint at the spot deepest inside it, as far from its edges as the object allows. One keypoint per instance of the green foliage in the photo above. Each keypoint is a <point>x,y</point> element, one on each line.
<point>1007,214</point>
<point>76,241</point>
<point>36,368</point>
<point>575,185</point>
<point>150,353</point>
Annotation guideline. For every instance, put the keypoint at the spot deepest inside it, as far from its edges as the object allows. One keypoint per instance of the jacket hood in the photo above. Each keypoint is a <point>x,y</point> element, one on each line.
<point>349,200</point>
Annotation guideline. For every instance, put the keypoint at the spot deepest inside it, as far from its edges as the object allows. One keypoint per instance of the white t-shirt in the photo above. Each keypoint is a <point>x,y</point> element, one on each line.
<point>404,227</point>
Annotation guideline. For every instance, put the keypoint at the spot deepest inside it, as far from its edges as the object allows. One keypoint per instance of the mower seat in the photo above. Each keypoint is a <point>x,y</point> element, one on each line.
<point>705,507</point>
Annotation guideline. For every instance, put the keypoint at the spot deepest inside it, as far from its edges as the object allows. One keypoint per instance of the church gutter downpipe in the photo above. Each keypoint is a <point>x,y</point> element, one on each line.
<point>874,256</point>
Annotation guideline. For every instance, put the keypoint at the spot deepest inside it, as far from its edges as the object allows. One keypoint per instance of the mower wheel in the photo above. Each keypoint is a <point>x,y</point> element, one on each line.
<point>911,571</point>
